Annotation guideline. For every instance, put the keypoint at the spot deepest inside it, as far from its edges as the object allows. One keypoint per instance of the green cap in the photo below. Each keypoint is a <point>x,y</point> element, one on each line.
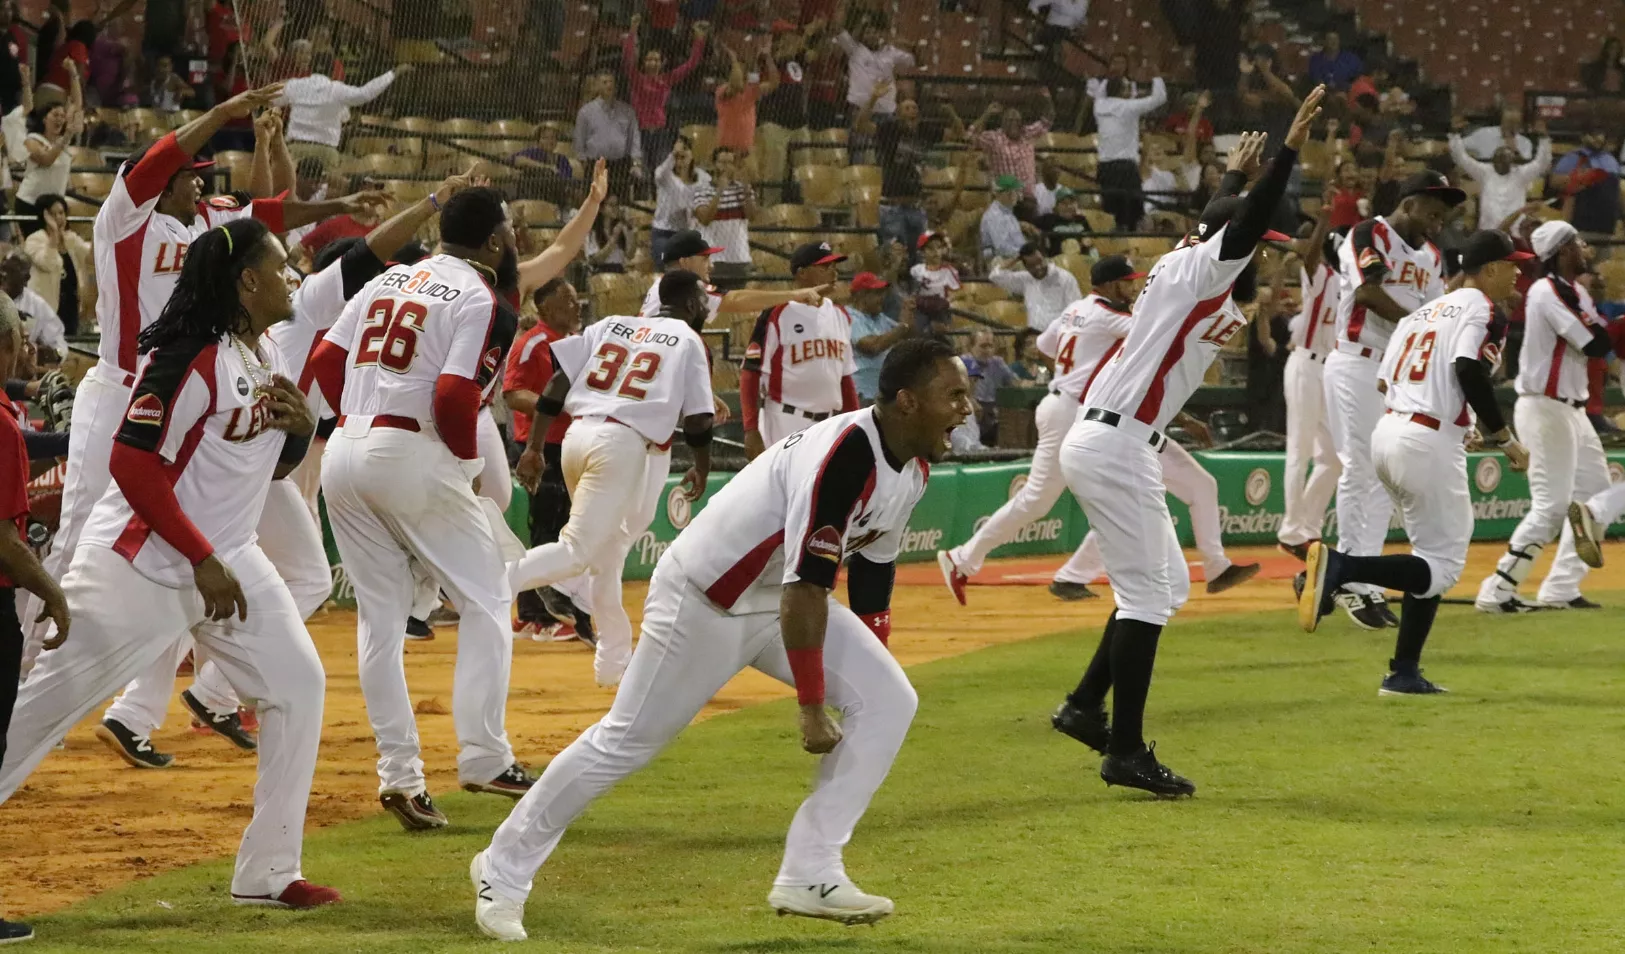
<point>1064,193</point>
<point>1007,184</point>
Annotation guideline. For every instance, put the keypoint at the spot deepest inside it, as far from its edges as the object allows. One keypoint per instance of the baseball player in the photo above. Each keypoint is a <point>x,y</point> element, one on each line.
<point>1308,433</point>
<point>1436,366</point>
<point>626,384</point>
<point>1589,521</point>
<point>1566,464</point>
<point>1389,267</point>
<point>688,251</point>
<point>170,548</point>
<point>1110,457</point>
<point>799,363</point>
<point>407,365</point>
<point>748,583</point>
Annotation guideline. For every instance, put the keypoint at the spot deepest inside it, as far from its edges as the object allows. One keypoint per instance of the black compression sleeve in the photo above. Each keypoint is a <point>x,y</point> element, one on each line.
<point>359,266</point>
<point>1600,344</point>
<point>1480,394</point>
<point>869,585</point>
<point>43,445</point>
<point>294,448</point>
<point>1258,209</point>
<point>1232,183</point>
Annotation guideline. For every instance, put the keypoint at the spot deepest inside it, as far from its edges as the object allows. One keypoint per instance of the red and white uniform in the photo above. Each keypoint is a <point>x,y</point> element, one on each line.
<point>409,363</point>
<point>830,491</point>
<point>1418,446</point>
<point>632,382</point>
<point>1373,254</point>
<point>1308,433</point>
<point>651,302</point>
<point>939,281</point>
<point>802,357</point>
<point>193,460</point>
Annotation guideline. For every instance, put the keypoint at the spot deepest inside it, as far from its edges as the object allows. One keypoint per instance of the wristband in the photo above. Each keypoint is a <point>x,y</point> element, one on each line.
<point>807,666</point>
<point>880,624</point>
<point>434,202</point>
<point>702,439</point>
<point>550,406</point>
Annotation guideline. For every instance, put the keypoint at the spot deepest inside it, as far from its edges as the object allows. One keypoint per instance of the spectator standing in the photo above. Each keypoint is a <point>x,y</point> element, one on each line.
<point>1117,121</point>
<point>1266,359</point>
<point>62,275</point>
<point>51,129</point>
<point>1482,142</point>
<point>607,129</point>
<point>1347,196</point>
<point>1266,102</point>
<point>988,373</point>
<point>166,91</point>
<point>901,147</point>
<point>1189,116</point>
<point>873,332</point>
<point>1045,289</point>
<point>1606,73</point>
<point>318,108</point>
<point>1002,233</point>
<point>650,84</point>
<point>1588,180</point>
<point>1503,182</point>
<point>546,156</point>
<point>611,243</point>
<point>1049,183</point>
<point>1332,66</point>
<point>787,105</point>
<point>1067,222</point>
<point>870,63</point>
<point>736,101</point>
<point>76,51</point>
<point>934,276</point>
<point>223,29</point>
<point>675,181</point>
<point>723,208</point>
<point>1062,19</point>
<point>42,325</point>
<point>1011,149</point>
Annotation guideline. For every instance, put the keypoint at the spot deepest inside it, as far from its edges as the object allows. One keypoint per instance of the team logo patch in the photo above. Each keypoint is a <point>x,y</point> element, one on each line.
<point>1016,483</point>
<point>825,543</point>
<point>490,360</point>
<point>146,409</point>
<point>1258,486</point>
<point>1370,257</point>
<point>242,386</point>
<point>678,509</point>
<point>799,328</point>
<point>223,202</point>
<point>1487,475</point>
<point>753,352</point>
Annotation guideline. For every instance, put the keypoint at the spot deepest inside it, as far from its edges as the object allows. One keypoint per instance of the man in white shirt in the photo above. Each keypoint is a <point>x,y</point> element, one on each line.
<point>1002,234</point>
<point>1482,142</point>
<point>1504,181</point>
<point>1117,119</point>
<point>1062,18</point>
<point>318,108</point>
<point>1045,289</point>
<point>42,324</point>
<point>869,64</point>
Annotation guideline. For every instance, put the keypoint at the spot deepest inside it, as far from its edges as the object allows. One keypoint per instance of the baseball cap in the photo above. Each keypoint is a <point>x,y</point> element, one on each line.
<point>1006,184</point>
<point>1435,184</point>
<point>1113,268</point>
<point>1490,245</point>
<point>1218,214</point>
<point>1550,237</point>
<point>813,253</point>
<point>195,165</point>
<point>868,281</point>
<point>687,244</point>
<point>926,237</point>
<point>1064,193</point>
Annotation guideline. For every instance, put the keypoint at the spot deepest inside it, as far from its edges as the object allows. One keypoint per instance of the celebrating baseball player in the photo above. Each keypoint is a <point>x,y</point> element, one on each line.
<point>1561,329</point>
<point>170,548</point>
<point>748,584</point>
<point>1389,268</point>
<point>1308,433</point>
<point>1436,367</point>
<point>688,251</point>
<point>407,366</point>
<point>626,384</point>
<point>1110,457</point>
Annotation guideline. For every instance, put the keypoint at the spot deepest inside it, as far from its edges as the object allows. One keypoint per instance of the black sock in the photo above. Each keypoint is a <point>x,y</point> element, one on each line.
<point>1097,679</point>
<point>1415,622</point>
<point>1401,571</point>
<point>1134,654</point>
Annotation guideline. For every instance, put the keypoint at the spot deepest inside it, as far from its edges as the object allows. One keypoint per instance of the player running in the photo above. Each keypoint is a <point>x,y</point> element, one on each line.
<point>1437,366</point>
<point>626,383</point>
<point>748,584</point>
<point>1110,457</point>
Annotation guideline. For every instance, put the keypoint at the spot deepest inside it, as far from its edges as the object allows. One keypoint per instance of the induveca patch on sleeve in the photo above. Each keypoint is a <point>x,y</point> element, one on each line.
<point>1370,257</point>
<point>825,543</point>
<point>146,409</point>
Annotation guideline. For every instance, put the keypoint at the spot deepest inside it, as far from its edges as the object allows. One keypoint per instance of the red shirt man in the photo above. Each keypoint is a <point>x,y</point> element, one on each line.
<point>530,367</point>
<point>13,474</point>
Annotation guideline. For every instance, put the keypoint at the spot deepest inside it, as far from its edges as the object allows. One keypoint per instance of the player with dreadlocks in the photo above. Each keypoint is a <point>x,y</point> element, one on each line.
<point>171,548</point>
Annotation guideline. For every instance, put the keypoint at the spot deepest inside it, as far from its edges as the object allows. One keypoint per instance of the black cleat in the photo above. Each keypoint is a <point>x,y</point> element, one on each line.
<point>1088,726</point>
<point>558,606</point>
<point>417,629</point>
<point>228,726</point>
<point>1299,550</point>
<point>1387,614</point>
<point>1365,611</point>
<point>1234,575</point>
<point>134,749</point>
<point>12,932</point>
<point>1142,770</point>
<point>514,782</point>
<point>1579,602</point>
<point>1408,682</point>
<point>416,812</point>
<point>584,630</point>
<point>1071,592</point>
<point>1511,606</point>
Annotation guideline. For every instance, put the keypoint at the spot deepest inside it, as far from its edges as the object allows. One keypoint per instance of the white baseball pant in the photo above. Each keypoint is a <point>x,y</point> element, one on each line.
<point>1425,472</point>
<point>1115,474</point>
<point>308,478</point>
<point>775,424</point>
<point>688,650</point>
<point>1609,505</point>
<point>1308,438</point>
<point>616,478</point>
<point>496,480</point>
<point>122,621</point>
<point>394,496</point>
<point>1353,407</point>
<point>1052,419</point>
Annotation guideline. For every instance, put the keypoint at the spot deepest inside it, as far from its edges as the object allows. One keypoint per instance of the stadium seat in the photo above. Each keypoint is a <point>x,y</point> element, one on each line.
<point>974,294</point>
<point>407,191</point>
<point>461,127</point>
<point>237,165</point>
<point>854,245</point>
<point>704,140</point>
<point>416,124</point>
<point>535,211</point>
<point>769,263</point>
<point>862,176</point>
<point>820,185</point>
<point>618,294</point>
<point>1011,314</point>
<point>788,215</point>
<point>1099,220</point>
<point>383,165</point>
<point>83,157</point>
<point>94,184</point>
<point>516,128</point>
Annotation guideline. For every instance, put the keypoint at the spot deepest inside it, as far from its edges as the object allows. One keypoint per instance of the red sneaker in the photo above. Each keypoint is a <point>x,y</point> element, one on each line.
<point>249,718</point>
<point>298,896</point>
<point>951,576</point>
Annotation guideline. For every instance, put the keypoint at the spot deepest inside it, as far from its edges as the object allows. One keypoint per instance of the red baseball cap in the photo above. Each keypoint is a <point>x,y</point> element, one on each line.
<point>926,237</point>
<point>868,281</point>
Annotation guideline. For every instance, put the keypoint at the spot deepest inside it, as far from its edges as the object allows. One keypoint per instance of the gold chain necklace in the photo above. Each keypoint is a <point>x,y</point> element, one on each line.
<point>253,365</point>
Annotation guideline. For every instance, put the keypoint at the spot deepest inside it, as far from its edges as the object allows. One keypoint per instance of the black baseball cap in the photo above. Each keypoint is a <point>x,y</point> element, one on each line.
<point>814,253</point>
<point>1113,268</point>
<point>1434,184</point>
<point>1218,214</point>
<point>1490,245</point>
<point>687,244</point>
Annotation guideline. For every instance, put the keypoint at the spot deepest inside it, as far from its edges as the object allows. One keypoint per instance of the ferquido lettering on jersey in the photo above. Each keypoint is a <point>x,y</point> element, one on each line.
<point>825,543</point>
<point>643,334</point>
<point>146,409</point>
<point>817,349</point>
<point>418,283</point>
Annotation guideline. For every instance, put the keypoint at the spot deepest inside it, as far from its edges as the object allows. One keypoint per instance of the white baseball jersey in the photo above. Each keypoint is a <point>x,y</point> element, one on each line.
<point>1557,320</point>
<point>1419,366</point>
<point>794,513</point>
<point>318,301</point>
<point>1082,339</point>
<point>645,373</point>
<point>1180,324</point>
<point>199,405</point>
<point>1315,327</point>
<point>651,302</point>
<point>803,353</point>
<point>411,325</point>
<point>1372,253</point>
<point>139,252</point>
<point>934,281</point>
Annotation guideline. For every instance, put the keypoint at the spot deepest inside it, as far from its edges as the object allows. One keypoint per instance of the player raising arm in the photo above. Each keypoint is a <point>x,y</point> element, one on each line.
<point>552,261</point>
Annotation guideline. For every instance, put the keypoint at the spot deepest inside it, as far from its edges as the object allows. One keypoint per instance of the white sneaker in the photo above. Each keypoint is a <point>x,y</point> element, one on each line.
<point>1588,535</point>
<point>831,902</point>
<point>951,577</point>
<point>496,916</point>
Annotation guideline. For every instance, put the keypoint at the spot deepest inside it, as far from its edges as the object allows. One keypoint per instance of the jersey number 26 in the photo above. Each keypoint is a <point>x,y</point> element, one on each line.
<point>612,360</point>
<point>390,337</point>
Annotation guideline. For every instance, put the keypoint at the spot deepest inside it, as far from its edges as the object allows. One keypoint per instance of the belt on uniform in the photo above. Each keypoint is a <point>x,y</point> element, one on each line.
<point>590,418</point>
<point>1427,421</point>
<point>814,416</point>
<point>395,421</point>
<point>1113,419</point>
<point>1356,349</point>
<point>1573,404</point>
<point>1313,356</point>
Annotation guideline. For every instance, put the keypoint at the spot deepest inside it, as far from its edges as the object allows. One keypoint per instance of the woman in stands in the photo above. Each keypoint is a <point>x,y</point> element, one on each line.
<point>675,179</point>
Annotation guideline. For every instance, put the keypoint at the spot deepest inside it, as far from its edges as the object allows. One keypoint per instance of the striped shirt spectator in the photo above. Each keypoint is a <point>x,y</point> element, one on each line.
<point>1012,155</point>
<point>723,213</point>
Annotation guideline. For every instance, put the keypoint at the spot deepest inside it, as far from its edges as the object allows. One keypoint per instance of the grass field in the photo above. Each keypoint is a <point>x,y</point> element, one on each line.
<point>1327,819</point>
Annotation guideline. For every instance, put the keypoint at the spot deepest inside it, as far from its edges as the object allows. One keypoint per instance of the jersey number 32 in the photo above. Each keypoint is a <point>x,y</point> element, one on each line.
<point>612,360</point>
<point>390,336</point>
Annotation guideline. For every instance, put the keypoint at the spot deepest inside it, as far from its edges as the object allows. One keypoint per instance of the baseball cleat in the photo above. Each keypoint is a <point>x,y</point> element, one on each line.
<point>558,606</point>
<point>1385,611</point>
<point>496,916</point>
<point>1587,535</point>
<point>1407,681</point>
<point>1579,602</point>
<point>1089,726</point>
<point>1142,771</point>
<point>842,902</point>
<point>1510,606</point>
<point>1234,575</point>
<point>12,932</point>
<point>299,896</point>
<point>1363,610</point>
<point>134,749</point>
<point>417,629</point>
<point>951,576</point>
<point>416,812</point>
<point>1071,592</point>
<point>514,782</point>
<point>228,726</point>
<point>1313,599</point>
<point>1299,550</point>
<point>584,630</point>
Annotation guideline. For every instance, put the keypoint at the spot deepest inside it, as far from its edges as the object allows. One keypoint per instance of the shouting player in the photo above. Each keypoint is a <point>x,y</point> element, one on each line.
<point>407,366</point>
<point>1110,457</point>
<point>626,384</point>
<point>747,584</point>
<point>1437,366</point>
<point>688,251</point>
<point>1308,434</point>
